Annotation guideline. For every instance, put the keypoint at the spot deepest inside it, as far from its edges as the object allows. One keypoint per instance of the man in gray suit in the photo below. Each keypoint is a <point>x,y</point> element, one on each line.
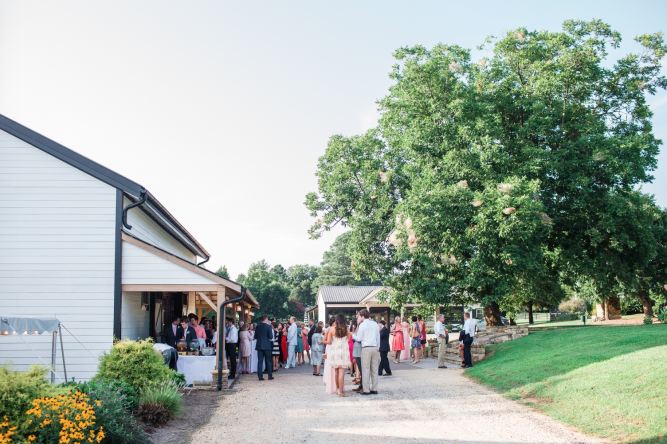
<point>291,343</point>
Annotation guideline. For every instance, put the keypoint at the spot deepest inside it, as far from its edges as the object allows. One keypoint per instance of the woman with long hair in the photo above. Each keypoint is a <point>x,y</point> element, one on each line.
<point>329,373</point>
<point>304,338</point>
<point>283,343</point>
<point>298,350</point>
<point>245,337</point>
<point>398,345</point>
<point>275,352</point>
<point>317,350</point>
<point>353,329</point>
<point>340,353</point>
<point>405,325</point>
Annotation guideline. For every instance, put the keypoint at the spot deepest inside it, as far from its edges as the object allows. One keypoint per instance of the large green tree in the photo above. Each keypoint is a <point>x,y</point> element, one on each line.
<point>337,267</point>
<point>300,280</point>
<point>502,177</point>
<point>267,286</point>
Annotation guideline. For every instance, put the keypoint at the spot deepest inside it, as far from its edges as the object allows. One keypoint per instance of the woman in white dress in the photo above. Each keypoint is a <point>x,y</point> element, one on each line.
<point>405,353</point>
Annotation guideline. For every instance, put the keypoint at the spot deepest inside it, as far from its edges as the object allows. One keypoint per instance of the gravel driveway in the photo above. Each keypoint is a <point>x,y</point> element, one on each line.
<point>418,404</point>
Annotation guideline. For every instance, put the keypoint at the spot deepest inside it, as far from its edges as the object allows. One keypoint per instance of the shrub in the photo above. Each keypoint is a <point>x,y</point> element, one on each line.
<point>631,305</point>
<point>648,320</point>
<point>18,390</point>
<point>154,414</point>
<point>64,418</point>
<point>117,401</point>
<point>662,315</point>
<point>178,379</point>
<point>166,394</point>
<point>6,436</point>
<point>134,362</point>
<point>572,305</point>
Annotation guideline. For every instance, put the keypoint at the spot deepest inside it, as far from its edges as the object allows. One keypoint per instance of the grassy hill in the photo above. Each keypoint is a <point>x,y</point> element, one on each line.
<point>605,381</point>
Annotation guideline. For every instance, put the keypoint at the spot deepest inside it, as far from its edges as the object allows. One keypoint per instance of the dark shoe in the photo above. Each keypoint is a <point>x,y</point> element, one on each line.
<point>358,390</point>
<point>261,379</point>
<point>270,378</point>
<point>444,366</point>
<point>364,393</point>
<point>467,366</point>
<point>373,392</point>
<point>386,374</point>
<point>230,377</point>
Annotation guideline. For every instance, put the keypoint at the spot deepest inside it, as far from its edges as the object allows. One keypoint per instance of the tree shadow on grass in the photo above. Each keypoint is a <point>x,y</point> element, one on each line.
<point>545,354</point>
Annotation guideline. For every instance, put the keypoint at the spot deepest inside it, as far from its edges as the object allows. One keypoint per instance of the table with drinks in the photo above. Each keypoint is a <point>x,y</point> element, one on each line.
<point>195,362</point>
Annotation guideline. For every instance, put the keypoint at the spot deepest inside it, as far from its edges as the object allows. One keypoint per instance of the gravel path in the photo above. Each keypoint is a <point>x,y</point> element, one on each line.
<point>418,404</point>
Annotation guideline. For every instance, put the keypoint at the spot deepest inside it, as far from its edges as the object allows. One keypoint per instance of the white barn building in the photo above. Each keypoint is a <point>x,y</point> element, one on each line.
<point>94,249</point>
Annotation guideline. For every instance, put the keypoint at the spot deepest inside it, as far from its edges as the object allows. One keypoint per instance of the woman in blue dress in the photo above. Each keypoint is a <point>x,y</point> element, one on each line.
<point>299,344</point>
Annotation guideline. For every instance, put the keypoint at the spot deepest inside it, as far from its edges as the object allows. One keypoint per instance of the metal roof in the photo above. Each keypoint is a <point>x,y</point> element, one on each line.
<point>349,295</point>
<point>106,175</point>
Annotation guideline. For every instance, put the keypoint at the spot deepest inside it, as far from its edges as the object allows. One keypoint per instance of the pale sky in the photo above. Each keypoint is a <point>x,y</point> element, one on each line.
<point>222,109</point>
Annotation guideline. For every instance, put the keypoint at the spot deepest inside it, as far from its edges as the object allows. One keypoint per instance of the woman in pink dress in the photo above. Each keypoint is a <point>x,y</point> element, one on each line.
<point>244,344</point>
<point>405,354</point>
<point>398,344</point>
<point>329,373</point>
<point>304,337</point>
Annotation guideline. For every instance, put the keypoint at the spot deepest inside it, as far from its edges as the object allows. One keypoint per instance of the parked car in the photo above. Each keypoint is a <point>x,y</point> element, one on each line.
<point>456,327</point>
<point>480,324</point>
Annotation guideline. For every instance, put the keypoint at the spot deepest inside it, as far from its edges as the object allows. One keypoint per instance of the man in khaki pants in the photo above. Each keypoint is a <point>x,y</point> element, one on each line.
<point>441,335</point>
<point>369,336</point>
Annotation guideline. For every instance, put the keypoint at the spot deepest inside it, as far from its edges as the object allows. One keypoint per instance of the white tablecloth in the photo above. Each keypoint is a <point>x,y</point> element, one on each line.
<point>253,357</point>
<point>196,368</point>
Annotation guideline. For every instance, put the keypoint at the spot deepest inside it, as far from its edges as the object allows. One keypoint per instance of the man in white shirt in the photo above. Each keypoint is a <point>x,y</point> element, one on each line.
<point>231,339</point>
<point>441,336</point>
<point>368,334</point>
<point>291,343</point>
<point>468,333</point>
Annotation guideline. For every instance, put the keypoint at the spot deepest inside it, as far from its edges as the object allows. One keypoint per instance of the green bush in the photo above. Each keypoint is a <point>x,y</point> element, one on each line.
<point>153,414</point>
<point>631,305</point>
<point>134,362</point>
<point>178,379</point>
<point>18,390</point>
<point>118,401</point>
<point>166,394</point>
<point>648,320</point>
<point>662,315</point>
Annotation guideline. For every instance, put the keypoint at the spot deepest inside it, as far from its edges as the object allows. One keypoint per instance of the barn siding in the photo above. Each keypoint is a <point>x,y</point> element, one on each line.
<point>135,323</point>
<point>56,255</point>
<point>144,228</point>
<point>143,267</point>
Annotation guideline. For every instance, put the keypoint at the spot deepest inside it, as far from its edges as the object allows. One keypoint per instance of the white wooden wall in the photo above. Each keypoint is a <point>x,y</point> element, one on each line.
<point>144,228</point>
<point>135,321</point>
<point>56,255</point>
<point>143,267</point>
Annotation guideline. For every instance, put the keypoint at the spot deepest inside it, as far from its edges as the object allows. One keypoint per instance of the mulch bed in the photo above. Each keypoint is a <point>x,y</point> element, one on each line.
<point>199,404</point>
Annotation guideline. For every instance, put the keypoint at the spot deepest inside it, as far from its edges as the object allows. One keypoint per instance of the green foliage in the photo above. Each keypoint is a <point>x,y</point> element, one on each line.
<point>615,377</point>
<point>134,362</point>
<point>165,394</point>
<point>17,391</point>
<point>630,305</point>
<point>662,315</point>
<point>268,287</point>
<point>222,272</point>
<point>178,379</point>
<point>300,280</point>
<point>337,269</point>
<point>648,320</point>
<point>497,181</point>
<point>117,402</point>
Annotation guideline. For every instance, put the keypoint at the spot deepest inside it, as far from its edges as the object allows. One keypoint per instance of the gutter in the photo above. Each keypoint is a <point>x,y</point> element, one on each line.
<point>221,337</point>
<point>143,196</point>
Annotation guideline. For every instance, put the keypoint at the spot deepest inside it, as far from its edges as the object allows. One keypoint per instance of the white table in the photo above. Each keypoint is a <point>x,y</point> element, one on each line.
<point>196,368</point>
<point>253,357</point>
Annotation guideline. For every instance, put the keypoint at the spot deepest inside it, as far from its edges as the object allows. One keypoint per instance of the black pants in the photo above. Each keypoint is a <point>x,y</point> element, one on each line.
<point>230,349</point>
<point>384,364</point>
<point>264,357</point>
<point>467,357</point>
<point>358,368</point>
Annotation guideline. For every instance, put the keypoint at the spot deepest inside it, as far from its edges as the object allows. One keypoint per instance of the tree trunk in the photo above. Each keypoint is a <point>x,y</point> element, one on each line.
<point>530,312</point>
<point>492,315</point>
<point>600,311</point>
<point>512,320</point>
<point>647,303</point>
<point>613,308</point>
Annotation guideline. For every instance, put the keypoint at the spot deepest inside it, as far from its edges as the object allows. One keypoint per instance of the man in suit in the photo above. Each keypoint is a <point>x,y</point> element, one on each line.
<point>384,350</point>
<point>187,333</point>
<point>173,332</point>
<point>264,336</point>
<point>291,343</point>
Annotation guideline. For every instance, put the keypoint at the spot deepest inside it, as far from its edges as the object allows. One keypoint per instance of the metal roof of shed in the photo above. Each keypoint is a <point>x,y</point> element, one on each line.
<point>349,295</point>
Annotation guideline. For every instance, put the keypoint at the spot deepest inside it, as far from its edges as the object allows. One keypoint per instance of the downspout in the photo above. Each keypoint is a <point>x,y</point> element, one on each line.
<point>202,263</point>
<point>141,201</point>
<point>221,330</point>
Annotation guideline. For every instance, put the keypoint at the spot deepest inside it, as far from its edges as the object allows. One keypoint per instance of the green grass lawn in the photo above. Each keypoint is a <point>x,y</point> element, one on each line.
<point>605,381</point>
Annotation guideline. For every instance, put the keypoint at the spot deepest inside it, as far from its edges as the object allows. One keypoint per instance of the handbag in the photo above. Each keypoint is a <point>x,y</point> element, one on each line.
<point>415,332</point>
